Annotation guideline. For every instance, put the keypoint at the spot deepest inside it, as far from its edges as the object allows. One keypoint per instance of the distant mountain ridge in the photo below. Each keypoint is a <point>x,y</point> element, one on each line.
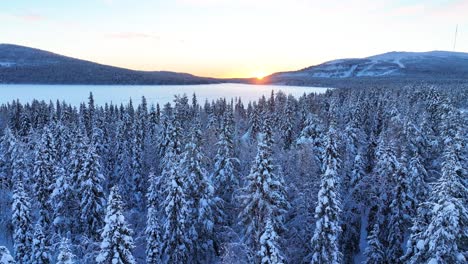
<point>19,64</point>
<point>391,65</point>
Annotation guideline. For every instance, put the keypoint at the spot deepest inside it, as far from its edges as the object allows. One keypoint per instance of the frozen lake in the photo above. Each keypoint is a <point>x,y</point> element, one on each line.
<point>76,94</point>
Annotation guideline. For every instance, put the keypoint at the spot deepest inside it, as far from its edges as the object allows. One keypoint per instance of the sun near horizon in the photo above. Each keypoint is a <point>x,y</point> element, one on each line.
<point>259,75</point>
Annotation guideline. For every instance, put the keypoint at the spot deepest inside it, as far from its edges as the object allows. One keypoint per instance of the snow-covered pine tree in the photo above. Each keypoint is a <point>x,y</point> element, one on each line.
<point>40,247</point>
<point>263,196</point>
<point>116,238</point>
<point>269,246</point>
<point>65,255</point>
<point>5,256</point>
<point>92,200</point>
<point>325,248</point>
<point>153,225</point>
<point>22,224</point>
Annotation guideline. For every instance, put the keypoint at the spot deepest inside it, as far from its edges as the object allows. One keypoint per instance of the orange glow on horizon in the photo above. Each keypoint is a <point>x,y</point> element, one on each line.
<point>199,68</point>
<point>259,75</point>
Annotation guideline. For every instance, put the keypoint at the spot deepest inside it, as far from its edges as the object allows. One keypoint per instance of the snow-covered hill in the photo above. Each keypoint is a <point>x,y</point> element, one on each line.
<point>431,64</point>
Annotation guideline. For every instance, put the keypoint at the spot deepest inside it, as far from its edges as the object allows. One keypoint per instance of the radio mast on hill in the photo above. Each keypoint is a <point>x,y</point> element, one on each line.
<point>455,40</point>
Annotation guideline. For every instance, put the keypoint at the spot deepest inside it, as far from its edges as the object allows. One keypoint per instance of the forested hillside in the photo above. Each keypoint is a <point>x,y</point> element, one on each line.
<point>25,65</point>
<point>358,175</point>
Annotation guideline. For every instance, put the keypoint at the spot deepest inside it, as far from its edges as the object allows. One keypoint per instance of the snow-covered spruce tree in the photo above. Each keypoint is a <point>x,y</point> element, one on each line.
<point>89,116</point>
<point>313,134</point>
<point>108,149</point>
<point>19,162</point>
<point>6,143</point>
<point>176,246</point>
<point>353,189</point>
<point>382,184</point>
<point>40,247</point>
<point>442,238</point>
<point>25,124</point>
<point>325,248</point>
<point>77,158</point>
<point>287,124</point>
<point>375,250</point>
<point>200,196</point>
<point>153,122</point>
<point>164,138</point>
<point>22,224</point>
<point>116,238</point>
<point>171,143</point>
<point>153,225</point>
<point>65,255</point>
<point>98,136</point>
<point>255,122</point>
<point>141,129</point>
<point>417,173</point>
<point>61,198</point>
<point>124,170</point>
<point>224,176</point>
<point>398,223</point>
<point>137,165</point>
<point>269,246</point>
<point>263,196</point>
<point>5,256</point>
<point>182,112</point>
<point>62,190</point>
<point>92,200</point>
<point>45,170</point>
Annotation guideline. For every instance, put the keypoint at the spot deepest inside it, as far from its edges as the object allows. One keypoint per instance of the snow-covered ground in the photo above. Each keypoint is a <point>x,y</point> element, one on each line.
<point>389,64</point>
<point>6,64</point>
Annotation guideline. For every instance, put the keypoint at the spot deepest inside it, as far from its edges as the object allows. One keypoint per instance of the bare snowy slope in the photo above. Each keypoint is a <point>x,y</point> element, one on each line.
<point>421,65</point>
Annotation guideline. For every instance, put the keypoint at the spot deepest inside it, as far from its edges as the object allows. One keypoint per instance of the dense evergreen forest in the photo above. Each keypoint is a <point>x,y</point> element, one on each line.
<point>362,175</point>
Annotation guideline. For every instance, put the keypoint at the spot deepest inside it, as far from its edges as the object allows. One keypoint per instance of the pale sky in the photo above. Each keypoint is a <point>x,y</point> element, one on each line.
<point>231,38</point>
